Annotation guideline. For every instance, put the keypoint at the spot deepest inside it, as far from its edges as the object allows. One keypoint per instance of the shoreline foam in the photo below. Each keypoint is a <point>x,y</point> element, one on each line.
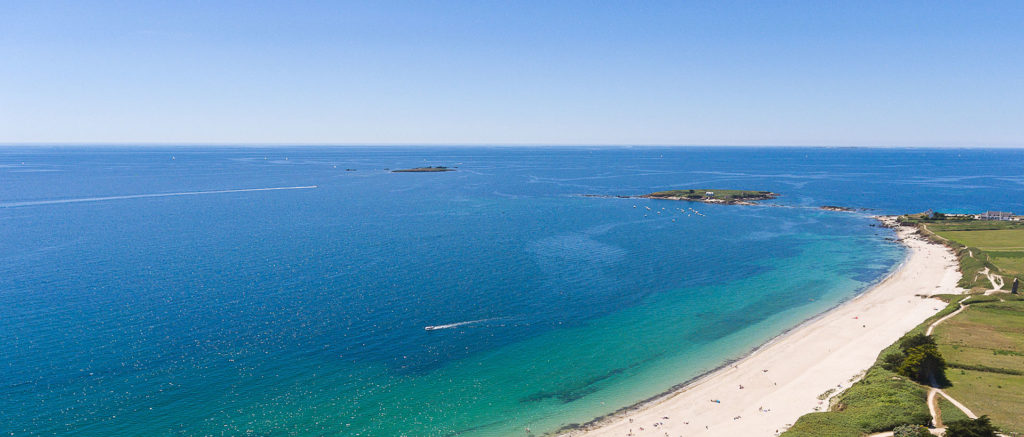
<point>825,352</point>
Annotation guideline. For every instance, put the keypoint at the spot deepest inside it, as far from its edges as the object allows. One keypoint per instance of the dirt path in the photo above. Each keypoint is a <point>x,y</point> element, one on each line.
<point>933,408</point>
<point>996,280</point>
<point>956,403</point>
<point>933,404</point>
<point>947,316</point>
<point>934,392</point>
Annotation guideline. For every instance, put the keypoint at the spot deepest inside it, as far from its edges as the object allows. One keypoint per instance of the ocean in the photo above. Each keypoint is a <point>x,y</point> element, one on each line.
<point>170,291</point>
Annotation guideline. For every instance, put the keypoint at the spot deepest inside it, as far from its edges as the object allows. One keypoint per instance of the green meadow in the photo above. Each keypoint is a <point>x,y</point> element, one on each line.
<point>984,351</point>
<point>949,411</point>
<point>996,245</point>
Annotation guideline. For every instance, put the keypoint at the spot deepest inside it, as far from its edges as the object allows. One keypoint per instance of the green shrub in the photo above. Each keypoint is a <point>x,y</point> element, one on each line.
<point>911,431</point>
<point>908,343</point>
<point>917,358</point>
<point>924,364</point>
<point>980,427</point>
<point>892,361</point>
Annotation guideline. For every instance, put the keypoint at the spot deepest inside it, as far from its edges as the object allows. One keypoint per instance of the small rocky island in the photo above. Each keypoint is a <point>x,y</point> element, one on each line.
<point>423,170</point>
<point>728,197</point>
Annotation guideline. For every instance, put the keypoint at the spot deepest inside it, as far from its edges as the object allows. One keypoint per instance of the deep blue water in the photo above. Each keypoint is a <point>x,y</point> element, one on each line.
<point>301,311</point>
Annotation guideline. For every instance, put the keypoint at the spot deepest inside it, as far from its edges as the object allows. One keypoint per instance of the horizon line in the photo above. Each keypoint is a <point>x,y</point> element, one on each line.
<point>524,145</point>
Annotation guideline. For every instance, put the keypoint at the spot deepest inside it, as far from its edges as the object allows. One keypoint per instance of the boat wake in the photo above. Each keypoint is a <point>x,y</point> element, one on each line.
<point>455,325</point>
<point>139,196</point>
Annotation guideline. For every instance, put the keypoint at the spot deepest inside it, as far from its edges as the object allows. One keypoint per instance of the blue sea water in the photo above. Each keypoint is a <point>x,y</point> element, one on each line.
<point>302,311</point>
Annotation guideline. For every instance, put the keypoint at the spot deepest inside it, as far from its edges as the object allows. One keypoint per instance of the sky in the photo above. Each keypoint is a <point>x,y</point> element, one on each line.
<point>855,73</point>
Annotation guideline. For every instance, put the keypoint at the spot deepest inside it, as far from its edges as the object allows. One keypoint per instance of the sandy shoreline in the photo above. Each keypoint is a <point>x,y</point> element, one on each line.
<point>783,379</point>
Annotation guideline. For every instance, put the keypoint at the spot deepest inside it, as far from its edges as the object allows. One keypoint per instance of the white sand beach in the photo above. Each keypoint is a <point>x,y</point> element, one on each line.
<point>765,392</point>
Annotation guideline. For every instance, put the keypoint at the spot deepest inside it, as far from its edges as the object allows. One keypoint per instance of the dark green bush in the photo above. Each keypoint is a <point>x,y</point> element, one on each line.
<point>916,340</point>
<point>911,431</point>
<point>924,364</point>
<point>980,427</point>
<point>892,361</point>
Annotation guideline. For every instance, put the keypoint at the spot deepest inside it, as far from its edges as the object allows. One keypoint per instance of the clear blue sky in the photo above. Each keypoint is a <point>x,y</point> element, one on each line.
<point>927,73</point>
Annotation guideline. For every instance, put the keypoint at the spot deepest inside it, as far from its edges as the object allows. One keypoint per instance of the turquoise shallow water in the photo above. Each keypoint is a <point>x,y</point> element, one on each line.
<point>301,312</point>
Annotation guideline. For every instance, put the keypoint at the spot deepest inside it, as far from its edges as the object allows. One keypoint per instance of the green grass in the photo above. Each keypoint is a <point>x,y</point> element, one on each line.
<point>949,411</point>
<point>999,396</point>
<point>1009,263</point>
<point>971,225</point>
<point>1002,239</point>
<point>984,348</point>
<point>727,195</point>
<point>998,246</point>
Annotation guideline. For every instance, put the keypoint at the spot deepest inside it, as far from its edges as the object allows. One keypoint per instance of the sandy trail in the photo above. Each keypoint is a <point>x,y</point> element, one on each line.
<point>996,280</point>
<point>764,393</point>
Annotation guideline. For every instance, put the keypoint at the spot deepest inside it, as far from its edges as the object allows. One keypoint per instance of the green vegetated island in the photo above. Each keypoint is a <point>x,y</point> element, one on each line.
<point>976,356</point>
<point>732,197</point>
<point>424,170</point>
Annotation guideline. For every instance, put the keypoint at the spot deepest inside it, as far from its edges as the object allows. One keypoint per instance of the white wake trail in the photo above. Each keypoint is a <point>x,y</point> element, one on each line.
<point>453,325</point>
<point>139,196</point>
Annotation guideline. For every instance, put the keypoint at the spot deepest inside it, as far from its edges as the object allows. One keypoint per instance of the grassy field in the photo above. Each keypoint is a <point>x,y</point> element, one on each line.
<point>1005,248</point>
<point>949,411</point>
<point>984,350</point>
<point>998,246</point>
<point>994,240</point>
<point>997,395</point>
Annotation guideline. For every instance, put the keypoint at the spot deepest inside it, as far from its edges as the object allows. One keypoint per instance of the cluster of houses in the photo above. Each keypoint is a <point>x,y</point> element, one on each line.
<point>999,215</point>
<point>987,215</point>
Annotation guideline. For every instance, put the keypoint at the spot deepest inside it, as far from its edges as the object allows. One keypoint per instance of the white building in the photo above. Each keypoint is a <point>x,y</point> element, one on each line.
<point>996,215</point>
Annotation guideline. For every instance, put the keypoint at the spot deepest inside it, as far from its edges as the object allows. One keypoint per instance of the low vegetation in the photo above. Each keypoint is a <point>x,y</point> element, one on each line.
<point>950,412</point>
<point>880,402</point>
<point>911,431</point>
